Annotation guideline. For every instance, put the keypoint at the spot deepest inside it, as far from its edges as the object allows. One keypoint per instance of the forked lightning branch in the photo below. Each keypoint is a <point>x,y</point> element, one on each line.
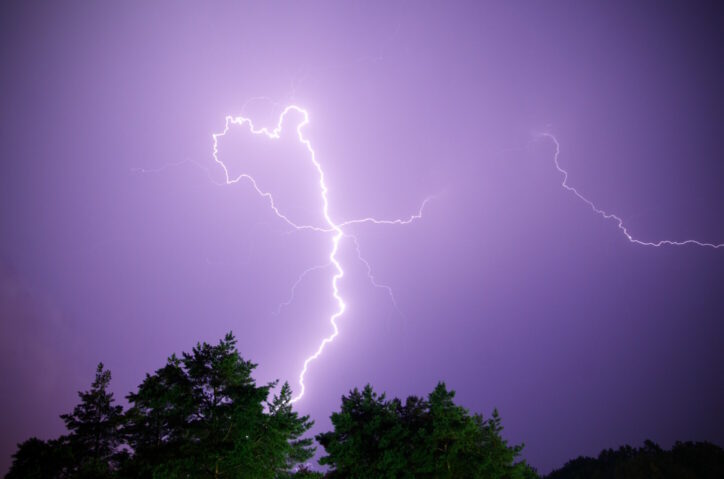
<point>335,230</point>
<point>610,216</point>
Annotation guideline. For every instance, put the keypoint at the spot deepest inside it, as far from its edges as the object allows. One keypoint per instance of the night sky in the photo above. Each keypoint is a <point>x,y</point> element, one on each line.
<point>120,241</point>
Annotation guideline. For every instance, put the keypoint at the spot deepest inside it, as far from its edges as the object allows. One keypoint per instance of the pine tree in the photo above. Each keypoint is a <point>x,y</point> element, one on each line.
<point>432,438</point>
<point>94,427</point>
<point>37,459</point>
<point>202,415</point>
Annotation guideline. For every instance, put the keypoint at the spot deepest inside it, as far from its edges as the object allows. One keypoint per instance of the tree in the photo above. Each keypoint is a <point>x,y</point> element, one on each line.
<point>432,438</point>
<point>686,460</point>
<point>94,427</point>
<point>90,450</point>
<point>204,416</point>
<point>201,415</point>
<point>284,431</point>
<point>364,438</point>
<point>156,424</point>
<point>37,459</point>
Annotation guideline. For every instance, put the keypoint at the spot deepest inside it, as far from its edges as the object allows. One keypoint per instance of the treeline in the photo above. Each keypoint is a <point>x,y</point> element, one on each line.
<point>686,460</point>
<point>202,415</point>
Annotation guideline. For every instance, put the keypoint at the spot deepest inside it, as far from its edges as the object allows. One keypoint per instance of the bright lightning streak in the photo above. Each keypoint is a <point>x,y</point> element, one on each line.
<point>409,220</point>
<point>611,216</point>
<point>275,135</point>
<point>331,227</point>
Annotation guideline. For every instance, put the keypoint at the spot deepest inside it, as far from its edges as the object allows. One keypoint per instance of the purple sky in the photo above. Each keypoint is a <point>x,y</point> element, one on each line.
<point>117,243</point>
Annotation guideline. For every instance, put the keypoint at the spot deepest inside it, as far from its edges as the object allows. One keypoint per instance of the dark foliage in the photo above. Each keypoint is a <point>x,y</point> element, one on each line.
<point>687,460</point>
<point>36,459</point>
<point>422,438</point>
<point>90,450</point>
<point>203,416</point>
<point>199,416</point>
<point>94,427</point>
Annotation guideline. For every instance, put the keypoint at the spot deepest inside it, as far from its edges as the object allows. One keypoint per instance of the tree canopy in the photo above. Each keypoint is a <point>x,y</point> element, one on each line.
<point>686,460</point>
<point>202,415</point>
<point>422,438</point>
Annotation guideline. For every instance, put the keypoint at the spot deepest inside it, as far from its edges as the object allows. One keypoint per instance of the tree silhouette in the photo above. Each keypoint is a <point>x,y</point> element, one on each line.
<point>686,460</point>
<point>204,416</point>
<point>94,427</point>
<point>201,416</point>
<point>37,459</point>
<point>89,450</point>
<point>433,438</point>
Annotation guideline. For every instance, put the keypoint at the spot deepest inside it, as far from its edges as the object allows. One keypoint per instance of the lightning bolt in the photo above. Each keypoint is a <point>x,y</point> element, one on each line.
<point>331,226</point>
<point>611,216</point>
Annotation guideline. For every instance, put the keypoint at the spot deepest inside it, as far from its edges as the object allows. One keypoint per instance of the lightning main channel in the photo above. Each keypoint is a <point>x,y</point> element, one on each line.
<point>611,216</point>
<point>331,227</point>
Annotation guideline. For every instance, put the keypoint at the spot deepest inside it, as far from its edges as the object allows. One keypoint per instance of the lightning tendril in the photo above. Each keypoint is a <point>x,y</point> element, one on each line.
<point>611,216</point>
